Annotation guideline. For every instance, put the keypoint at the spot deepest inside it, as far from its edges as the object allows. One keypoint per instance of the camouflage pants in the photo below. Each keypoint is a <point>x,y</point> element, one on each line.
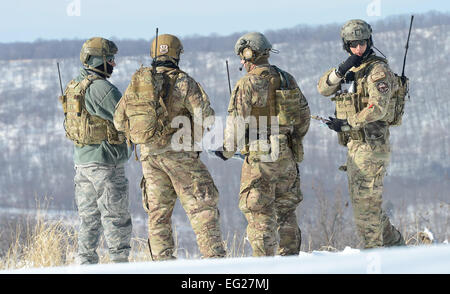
<point>101,195</point>
<point>181,174</point>
<point>366,167</point>
<point>269,195</point>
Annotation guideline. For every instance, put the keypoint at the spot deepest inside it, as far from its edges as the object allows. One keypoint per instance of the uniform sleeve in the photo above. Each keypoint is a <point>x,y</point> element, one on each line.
<point>197,103</point>
<point>102,98</point>
<point>197,100</point>
<point>120,118</point>
<point>329,83</point>
<point>301,129</point>
<point>230,134</point>
<point>380,87</point>
<point>250,91</point>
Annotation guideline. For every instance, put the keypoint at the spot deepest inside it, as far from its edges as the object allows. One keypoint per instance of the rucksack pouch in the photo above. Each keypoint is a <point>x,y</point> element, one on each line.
<point>288,104</point>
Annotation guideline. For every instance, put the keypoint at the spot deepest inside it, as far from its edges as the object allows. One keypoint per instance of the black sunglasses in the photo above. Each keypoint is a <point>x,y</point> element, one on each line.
<point>355,43</point>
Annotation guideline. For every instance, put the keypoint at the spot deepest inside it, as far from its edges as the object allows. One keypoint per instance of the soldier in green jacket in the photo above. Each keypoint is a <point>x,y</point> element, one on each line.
<point>100,152</point>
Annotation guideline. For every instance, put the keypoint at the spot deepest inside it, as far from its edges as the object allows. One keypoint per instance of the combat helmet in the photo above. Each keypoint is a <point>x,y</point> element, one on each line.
<point>97,51</point>
<point>252,46</point>
<point>168,45</point>
<point>356,29</point>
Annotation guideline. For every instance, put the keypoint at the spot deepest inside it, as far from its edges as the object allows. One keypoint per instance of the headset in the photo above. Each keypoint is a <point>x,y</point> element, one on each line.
<point>247,53</point>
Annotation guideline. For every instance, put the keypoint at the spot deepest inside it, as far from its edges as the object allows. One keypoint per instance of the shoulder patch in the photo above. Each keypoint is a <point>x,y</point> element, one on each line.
<point>382,87</point>
<point>378,76</point>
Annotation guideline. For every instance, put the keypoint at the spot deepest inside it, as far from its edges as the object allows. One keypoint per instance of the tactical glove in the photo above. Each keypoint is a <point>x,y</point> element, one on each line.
<point>353,60</point>
<point>220,155</point>
<point>349,76</point>
<point>338,125</point>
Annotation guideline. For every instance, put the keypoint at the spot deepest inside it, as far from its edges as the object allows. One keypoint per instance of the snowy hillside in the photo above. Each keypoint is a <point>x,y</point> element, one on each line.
<point>30,124</point>
<point>414,260</point>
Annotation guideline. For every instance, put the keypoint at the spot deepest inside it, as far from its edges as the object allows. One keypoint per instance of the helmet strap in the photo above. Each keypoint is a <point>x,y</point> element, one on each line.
<point>105,69</point>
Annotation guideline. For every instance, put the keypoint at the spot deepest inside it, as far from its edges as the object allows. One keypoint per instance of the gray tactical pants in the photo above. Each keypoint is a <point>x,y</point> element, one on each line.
<point>101,195</point>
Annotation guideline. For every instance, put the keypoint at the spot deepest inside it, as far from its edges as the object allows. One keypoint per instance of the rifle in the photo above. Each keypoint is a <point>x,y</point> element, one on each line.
<point>228,75</point>
<point>60,83</point>
<point>319,118</point>
<point>406,50</point>
<point>237,155</point>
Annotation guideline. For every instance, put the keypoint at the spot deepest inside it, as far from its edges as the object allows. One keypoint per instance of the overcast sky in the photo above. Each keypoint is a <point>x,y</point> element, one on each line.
<point>28,20</point>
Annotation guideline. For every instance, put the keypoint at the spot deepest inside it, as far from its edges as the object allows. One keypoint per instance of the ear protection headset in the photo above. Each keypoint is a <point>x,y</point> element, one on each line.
<point>247,53</point>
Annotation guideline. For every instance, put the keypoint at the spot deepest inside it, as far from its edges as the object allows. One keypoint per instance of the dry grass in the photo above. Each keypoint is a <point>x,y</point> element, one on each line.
<point>235,246</point>
<point>41,242</point>
<point>46,244</point>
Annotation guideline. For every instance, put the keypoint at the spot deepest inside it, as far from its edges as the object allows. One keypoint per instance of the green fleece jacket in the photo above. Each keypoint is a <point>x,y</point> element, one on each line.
<point>101,99</point>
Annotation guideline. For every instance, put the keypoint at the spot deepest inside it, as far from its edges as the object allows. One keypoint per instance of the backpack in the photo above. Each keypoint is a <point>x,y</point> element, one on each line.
<point>396,107</point>
<point>147,107</point>
<point>288,104</point>
<point>397,102</point>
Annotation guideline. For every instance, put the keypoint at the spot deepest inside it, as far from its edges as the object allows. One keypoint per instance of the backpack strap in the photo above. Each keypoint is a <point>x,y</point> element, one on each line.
<point>87,81</point>
<point>284,85</point>
<point>166,102</point>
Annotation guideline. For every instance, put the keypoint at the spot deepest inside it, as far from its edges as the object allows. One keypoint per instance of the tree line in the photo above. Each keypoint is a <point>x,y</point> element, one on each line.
<point>66,48</point>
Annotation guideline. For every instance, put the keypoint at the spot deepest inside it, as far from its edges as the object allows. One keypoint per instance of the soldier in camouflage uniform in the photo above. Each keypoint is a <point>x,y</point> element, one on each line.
<point>100,152</point>
<point>270,181</point>
<point>168,170</point>
<point>362,123</point>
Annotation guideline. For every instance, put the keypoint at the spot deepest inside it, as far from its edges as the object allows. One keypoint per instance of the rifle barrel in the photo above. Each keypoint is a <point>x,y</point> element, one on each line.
<point>319,118</point>
<point>60,82</point>
<point>228,74</point>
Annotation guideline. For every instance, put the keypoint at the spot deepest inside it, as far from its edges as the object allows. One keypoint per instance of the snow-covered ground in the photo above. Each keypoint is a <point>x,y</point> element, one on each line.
<point>434,259</point>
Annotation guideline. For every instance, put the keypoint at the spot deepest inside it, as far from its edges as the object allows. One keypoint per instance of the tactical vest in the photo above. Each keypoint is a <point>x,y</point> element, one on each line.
<point>81,127</point>
<point>283,101</point>
<point>148,106</point>
<point>349,104</point>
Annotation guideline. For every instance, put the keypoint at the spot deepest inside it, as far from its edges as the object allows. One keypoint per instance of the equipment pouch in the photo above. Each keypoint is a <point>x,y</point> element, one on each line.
<point>346,105</point>
<point>63,100</point>
<point>343,138</point>
<point>288,106</point>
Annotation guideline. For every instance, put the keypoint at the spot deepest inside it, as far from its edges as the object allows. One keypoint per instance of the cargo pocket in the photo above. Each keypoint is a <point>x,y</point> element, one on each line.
<point>253,200</point>
<point>144,195</point>
<point>295,188</point>
<point>375,133</point>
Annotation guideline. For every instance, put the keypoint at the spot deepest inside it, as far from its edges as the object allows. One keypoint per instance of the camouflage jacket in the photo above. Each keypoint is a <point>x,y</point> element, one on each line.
<point>187,104</point>
<point>376,83</point>
<point>253,91</point>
